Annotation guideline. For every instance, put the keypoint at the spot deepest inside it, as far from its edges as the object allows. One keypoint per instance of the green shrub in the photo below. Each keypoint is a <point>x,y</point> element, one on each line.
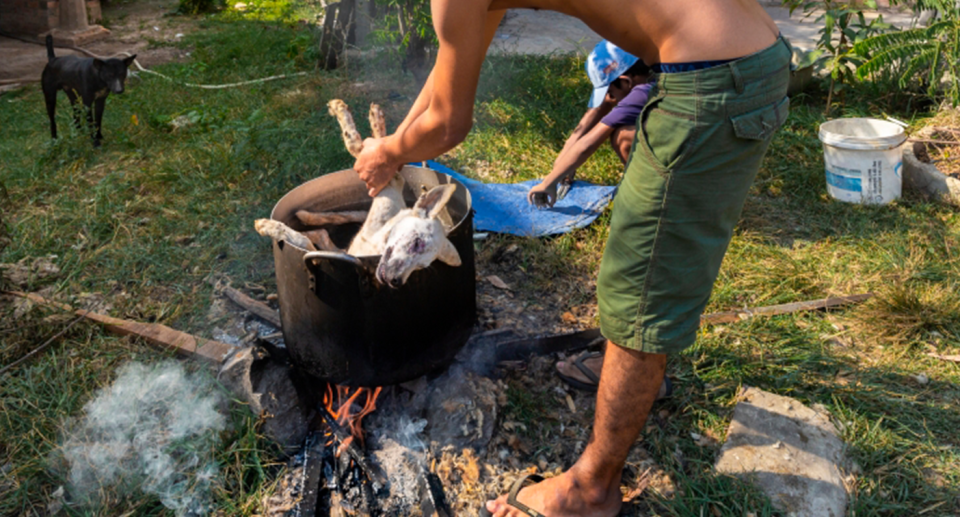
<point>199,6</point>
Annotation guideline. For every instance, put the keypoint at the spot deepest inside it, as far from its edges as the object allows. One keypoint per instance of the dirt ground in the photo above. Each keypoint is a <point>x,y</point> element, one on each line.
<point>141,27</point>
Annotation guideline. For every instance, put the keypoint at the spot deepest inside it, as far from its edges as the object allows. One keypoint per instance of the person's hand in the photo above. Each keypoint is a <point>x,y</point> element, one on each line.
<point>543,195</point>
<point>374,166</point>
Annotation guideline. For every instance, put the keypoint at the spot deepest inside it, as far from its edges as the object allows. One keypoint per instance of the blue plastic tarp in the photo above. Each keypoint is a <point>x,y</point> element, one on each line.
<point>503,207</point>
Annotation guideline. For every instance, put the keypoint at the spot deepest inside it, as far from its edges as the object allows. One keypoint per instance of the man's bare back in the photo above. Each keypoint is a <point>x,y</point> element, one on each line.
<point>668,31</point>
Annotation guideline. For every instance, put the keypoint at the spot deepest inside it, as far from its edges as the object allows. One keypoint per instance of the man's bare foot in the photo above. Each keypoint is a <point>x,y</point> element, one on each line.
<point>566,495</point>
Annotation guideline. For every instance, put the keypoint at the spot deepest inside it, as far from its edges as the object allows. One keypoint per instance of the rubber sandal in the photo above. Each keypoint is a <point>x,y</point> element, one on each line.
<point>587,372</point>
<point>666,390</point>
<point>515,489</point>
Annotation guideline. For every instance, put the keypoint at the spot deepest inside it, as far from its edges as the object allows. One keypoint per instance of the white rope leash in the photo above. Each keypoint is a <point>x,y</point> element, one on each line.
<point>217,86</point>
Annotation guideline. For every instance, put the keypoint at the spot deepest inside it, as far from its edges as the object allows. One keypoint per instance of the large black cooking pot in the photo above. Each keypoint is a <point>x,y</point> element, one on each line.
<point>339,323</point>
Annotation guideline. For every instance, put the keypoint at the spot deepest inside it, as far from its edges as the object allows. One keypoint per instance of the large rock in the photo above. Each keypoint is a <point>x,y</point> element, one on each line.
<point>926,177</point>
<point>462,410</point>
<point>267,389</point>
<point>790,451</point>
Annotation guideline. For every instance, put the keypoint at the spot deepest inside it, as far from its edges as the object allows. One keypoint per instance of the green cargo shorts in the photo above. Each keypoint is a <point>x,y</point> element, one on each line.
<point>700,140</point>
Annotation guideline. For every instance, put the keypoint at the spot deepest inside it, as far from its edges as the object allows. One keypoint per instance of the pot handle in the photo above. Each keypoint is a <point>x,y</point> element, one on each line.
<point>334,255</point>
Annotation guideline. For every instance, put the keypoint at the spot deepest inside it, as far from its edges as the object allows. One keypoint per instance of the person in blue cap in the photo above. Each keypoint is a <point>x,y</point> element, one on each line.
<point>620,90</point>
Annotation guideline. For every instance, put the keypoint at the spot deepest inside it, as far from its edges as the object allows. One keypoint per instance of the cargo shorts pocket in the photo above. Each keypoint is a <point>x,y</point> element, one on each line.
<point>760,123</point>
<point>666,136</point>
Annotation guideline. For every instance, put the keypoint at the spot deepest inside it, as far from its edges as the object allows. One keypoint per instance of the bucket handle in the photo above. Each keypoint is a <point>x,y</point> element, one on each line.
<point>334,255</point>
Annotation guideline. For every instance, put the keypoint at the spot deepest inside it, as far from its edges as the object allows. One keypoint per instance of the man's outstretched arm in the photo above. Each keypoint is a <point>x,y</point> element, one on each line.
<point>464,29</point>
<point>419,106</point>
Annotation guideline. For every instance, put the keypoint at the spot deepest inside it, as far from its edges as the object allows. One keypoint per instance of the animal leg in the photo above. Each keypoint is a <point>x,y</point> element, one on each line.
<point>281,232</point>
<point>51,99</point>
<point>98,119</point>
<point>331,218</point>
<point>74,109</point>
<point>378,123</point>
<point>88,110</point>
<point>351,138</point>
<point>321,239</point>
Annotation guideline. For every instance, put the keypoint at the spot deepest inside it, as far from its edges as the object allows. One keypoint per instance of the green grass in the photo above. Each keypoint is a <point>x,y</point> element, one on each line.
<point>149,217</point>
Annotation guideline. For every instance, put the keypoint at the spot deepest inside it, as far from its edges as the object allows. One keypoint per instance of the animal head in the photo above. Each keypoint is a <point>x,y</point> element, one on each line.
<point>113,72</point>
<point>417,238</point>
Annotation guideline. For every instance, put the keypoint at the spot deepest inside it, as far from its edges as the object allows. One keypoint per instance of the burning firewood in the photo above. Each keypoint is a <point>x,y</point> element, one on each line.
<point>348,444</point>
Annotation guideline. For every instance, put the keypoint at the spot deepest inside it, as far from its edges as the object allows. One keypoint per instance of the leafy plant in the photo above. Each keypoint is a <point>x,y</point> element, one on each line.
<point>199,6</point>
<point>843,27</point>
<point>926,54</point>
<point>407,29</point>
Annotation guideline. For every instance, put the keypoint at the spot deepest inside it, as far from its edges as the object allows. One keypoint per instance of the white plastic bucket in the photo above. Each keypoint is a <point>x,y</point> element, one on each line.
<point>863,158</point>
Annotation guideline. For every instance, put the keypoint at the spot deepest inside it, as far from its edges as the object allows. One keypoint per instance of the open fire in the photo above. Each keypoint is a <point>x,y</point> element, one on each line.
<point>334,475</point>
<point>340,403</point>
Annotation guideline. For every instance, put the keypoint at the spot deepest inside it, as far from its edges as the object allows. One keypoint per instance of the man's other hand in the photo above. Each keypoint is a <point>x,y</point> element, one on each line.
<point>374,166</point>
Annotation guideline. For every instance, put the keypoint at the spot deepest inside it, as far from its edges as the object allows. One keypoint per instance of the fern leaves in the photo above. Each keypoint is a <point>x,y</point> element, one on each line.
<point>926,53</point>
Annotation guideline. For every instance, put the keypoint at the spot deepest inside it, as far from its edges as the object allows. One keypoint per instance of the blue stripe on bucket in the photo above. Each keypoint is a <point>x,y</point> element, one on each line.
<point>843,182</point>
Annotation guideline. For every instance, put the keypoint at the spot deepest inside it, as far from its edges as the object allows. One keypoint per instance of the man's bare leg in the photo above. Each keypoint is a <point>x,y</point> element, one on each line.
<point>628,388</point>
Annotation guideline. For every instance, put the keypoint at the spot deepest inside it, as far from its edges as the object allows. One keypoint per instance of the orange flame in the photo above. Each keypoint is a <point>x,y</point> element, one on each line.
<point>342,411</point>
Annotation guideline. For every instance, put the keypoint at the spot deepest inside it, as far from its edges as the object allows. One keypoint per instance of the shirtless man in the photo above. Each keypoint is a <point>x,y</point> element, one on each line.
<point>718,97</point>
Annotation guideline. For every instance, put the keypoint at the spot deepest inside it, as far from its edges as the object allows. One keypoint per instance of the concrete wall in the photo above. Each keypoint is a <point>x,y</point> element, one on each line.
<point>35,17</point>
<point>29,17</point>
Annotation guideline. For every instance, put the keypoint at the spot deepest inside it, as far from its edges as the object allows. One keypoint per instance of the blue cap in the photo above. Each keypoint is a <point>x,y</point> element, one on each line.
<point>605,64</point>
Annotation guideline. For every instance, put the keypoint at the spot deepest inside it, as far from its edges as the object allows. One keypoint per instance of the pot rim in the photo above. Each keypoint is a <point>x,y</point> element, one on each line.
<point>451,179</point>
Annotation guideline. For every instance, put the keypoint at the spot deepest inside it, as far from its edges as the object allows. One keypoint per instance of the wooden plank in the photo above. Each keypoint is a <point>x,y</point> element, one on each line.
<point>260,309</point>
<point>786,308</point>
<point>156,334</point>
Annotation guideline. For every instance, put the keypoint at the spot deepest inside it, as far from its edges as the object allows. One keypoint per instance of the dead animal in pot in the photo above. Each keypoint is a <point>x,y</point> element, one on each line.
<point>407,239</point>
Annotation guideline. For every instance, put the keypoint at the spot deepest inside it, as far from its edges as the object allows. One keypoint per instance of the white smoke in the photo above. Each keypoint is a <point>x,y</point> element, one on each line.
<point>408,432</point>
<point>154,429</point>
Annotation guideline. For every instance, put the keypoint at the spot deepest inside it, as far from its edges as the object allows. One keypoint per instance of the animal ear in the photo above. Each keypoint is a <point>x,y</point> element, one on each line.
<point>129,61</point>
<point>434,200</point>
<point>448,254</point>
<point>98,64</point>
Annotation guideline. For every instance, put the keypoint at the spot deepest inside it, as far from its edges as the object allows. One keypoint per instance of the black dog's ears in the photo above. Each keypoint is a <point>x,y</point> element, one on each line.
<point>129,61</point>
<point>98,64</point>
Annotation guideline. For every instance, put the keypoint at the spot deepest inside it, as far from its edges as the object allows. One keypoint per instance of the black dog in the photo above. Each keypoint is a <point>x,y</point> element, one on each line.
<point>89,79</point>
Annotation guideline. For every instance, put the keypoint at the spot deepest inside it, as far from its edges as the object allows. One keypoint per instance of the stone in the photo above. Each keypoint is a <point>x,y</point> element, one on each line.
<point>462,410</point>
<point>926,178</point>
<point>790,451</point>
<point>269,392</point>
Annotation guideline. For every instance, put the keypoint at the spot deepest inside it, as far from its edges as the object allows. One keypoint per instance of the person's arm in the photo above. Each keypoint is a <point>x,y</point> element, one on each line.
<point>419,106</point>
<point>545,194</point>
<point>448,116</point>
<point>587,123</point>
